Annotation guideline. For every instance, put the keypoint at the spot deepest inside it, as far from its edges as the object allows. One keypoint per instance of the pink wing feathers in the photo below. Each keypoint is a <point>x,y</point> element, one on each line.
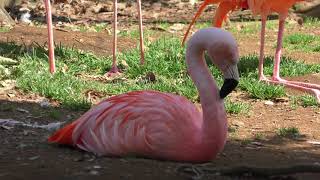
<point>137,122</point>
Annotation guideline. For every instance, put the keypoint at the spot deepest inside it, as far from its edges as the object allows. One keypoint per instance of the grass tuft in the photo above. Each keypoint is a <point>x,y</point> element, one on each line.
<point>289,132</point>
<point>236,107</point>
<point>304,42</point>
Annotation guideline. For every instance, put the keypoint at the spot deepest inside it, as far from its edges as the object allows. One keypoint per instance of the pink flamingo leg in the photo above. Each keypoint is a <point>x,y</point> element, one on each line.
<point>311,88</point>
<point>262,40</point>
<point>52,67</point>
<point>114,69</point>
<point>141,32</point>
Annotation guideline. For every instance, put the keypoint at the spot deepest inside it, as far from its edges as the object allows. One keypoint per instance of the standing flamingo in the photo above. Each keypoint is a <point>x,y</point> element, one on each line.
<point>162,125</point>
<point>114,69</point>
<point>264,8</point>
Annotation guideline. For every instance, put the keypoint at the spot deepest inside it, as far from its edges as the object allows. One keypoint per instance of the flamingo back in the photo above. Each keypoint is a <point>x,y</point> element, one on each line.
<point>265,7</point>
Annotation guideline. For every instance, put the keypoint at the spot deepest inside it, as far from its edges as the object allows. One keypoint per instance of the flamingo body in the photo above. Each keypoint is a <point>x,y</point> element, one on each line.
<point>163,125</point>
<point>148,123</point>
<point>266,7</point>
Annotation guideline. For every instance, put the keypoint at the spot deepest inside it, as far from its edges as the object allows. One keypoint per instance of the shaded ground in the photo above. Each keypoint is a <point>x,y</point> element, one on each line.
<point>24,153</point>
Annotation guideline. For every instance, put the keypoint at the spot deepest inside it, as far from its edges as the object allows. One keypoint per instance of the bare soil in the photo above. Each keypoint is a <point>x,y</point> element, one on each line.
<point>25,154</point>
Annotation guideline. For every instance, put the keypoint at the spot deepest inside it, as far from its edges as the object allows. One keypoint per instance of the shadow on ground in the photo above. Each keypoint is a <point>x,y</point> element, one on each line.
<point>25,154</point>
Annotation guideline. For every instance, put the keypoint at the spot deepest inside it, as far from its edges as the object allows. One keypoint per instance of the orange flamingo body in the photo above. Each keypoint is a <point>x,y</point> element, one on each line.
<point>264,8</point>
<point>163,125</point>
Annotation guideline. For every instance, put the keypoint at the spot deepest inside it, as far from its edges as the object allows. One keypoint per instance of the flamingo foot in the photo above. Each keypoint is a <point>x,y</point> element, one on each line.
<point>262,77</point>
<point>307,87</point>
<point>303,84</point>
<point>113,72</point>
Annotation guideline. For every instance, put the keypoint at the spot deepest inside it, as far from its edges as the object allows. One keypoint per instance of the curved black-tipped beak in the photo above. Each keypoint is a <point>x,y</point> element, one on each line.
<point>228,86</point>
<point>231,80</point>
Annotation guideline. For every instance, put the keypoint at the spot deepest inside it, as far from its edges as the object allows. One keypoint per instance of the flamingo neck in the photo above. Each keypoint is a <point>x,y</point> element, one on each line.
<point>214,126</point>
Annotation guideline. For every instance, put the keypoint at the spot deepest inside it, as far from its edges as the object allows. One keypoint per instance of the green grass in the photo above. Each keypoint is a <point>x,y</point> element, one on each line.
<point>164,58</point>
<point>304,101</point>
<point>259,90</point>
<point>304,42</point>
<point>236,107</point>
<point>254,27</point>
<point>259,136</point>
<point>4,29</point>
<point>311,22</point>
<point>289,132</point>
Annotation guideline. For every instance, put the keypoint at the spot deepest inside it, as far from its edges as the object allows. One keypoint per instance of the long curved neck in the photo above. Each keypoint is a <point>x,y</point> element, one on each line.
<point>214,117</point>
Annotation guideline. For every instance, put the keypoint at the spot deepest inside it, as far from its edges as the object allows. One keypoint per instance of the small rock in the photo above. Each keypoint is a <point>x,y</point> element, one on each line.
<point>257,143</point>
<point>22,145</point>
<point>22,110</point>
<point>317,143</point>
<point>78,159</point>
<point>34,158</point>
<point>269,103</point>
<point>97,167</point>
<point>94,172</point>
<point>121,6</point>
<point>25,18</point>
<point>25,133</point>
<point>5,127</point>
<point>45,103</point>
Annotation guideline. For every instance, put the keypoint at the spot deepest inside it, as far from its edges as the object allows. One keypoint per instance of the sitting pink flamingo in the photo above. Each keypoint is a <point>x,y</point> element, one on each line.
<point>162,125</point>
<point>264,8</point>
<point>114,69</point>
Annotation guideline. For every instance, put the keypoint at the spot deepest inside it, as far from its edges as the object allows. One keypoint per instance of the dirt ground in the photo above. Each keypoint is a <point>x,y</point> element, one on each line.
<point>25,154</point>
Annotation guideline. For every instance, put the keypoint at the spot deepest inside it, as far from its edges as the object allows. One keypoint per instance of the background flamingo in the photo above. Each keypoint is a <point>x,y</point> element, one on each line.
<point>163,125</point>
<point>264,8</point>
<point>114,69</point>
<point>4,3</point>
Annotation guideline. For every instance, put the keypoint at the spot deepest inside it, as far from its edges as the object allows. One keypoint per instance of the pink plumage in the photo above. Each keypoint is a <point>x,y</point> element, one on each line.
<point>162,125</point>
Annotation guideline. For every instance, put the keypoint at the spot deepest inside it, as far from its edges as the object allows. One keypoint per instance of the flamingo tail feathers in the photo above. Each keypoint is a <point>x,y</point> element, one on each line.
<point>200,10</point>
<point>64,135</point>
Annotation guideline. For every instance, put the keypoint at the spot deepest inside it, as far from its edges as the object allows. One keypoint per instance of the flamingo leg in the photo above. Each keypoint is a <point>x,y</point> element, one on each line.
<point>262,41</point>
<point>276,79</point>
<point>114,69</point>
<point>52,67</point>
<point>141,32</point>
